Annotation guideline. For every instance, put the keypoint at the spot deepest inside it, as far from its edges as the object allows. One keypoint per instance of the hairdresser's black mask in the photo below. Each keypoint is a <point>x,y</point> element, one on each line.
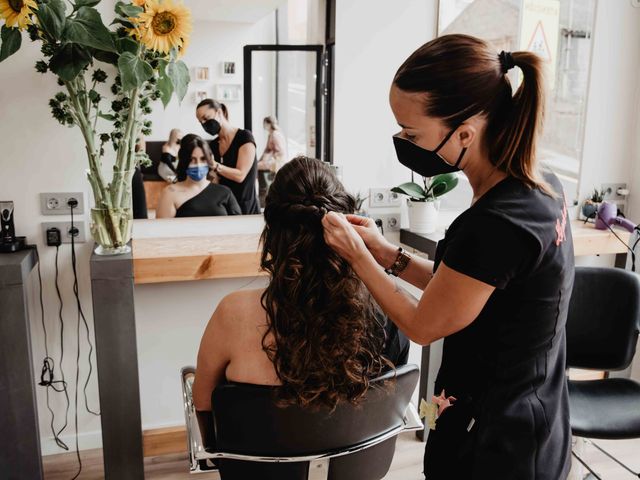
<point>422,161</point>
<point>211,126</point>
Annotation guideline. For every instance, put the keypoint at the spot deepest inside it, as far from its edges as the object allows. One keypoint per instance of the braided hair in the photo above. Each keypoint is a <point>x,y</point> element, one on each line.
<point>324,335</point>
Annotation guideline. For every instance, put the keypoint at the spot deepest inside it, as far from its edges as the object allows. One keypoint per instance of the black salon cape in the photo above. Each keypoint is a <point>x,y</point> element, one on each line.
<point>507,368</point>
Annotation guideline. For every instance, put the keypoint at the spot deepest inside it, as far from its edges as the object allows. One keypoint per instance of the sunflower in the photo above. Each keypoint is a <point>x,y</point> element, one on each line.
<point>16,12</point>
<point>163,26</point>
<point>139,3</point>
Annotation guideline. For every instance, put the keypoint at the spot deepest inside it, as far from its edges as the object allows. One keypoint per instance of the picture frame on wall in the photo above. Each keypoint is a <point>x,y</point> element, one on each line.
<point>200,95</point>
<point>228,92</point>
<point>228,69</point>
<point>202,74</point>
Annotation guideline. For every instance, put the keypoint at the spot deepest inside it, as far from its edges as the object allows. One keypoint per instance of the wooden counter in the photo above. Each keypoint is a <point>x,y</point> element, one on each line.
<point>178,259</point>
<point>587,240</point>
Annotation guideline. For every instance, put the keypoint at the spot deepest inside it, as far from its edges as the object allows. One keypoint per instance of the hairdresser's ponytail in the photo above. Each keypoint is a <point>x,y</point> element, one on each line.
<point>515,151</point>
<point>225,112</point>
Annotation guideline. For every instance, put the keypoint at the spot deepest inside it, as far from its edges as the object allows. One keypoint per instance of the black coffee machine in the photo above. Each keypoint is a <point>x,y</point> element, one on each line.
<point>8,240</point>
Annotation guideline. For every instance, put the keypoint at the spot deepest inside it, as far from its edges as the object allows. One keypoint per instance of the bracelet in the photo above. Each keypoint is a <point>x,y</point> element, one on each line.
<point>218,167</point>
<point>402,260</point>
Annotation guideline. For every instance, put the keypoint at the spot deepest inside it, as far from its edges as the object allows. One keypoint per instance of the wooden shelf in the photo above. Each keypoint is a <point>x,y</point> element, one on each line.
<point>179,259</point>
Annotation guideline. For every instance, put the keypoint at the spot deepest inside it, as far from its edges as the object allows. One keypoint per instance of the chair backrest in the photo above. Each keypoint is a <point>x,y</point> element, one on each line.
<point>603,318</point>
<point>248,422</point>
<point>154,150</point>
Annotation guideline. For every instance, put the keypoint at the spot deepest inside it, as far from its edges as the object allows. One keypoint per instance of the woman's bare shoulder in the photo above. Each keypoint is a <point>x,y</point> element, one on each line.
<point>241,301</point>
<point>241,310</point>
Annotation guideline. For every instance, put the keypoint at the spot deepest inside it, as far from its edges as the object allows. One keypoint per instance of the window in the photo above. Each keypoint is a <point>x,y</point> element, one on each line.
<point>559,31</point>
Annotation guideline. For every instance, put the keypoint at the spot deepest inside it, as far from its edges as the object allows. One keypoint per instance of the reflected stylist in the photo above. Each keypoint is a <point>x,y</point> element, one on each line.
<point>234,150</point>
<point>498,289</point>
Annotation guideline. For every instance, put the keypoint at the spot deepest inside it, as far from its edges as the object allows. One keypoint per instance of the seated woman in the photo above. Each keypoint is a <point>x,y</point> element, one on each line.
<point>314,330</point>
<point>193,195</point>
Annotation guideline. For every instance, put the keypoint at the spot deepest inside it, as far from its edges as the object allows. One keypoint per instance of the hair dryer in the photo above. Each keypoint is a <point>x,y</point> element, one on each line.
<point>607,215</point>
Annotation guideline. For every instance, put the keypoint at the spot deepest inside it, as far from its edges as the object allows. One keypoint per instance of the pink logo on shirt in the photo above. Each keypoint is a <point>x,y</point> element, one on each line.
<point>561,226</point>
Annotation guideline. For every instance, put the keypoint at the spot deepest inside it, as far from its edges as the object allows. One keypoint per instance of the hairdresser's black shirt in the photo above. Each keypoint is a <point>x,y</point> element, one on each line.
<point>245,192</point>
<point>507,368</point>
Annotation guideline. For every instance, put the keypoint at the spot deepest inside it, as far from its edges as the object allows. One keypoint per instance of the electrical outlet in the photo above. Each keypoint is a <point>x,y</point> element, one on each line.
<point>384,197</point>
<point>612,192</point>
<point>56,203</point>
<point>390,221</point>
<point>64,228</point>
<point>378,197</point>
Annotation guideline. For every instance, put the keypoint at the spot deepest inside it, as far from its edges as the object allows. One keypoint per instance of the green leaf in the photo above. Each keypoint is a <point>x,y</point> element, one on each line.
<point>106,57</point>
<point>52,17</point>
<point>410,189</point>
<point>69,61</point>
<point>179,75</point>
<point>107,116</point>
<point>86,3</point>
<point>128,10</point>
<point>165,86</point>
<point>441,184</point>
<point>11,41</point>
<point>133,71</point>
<point>127,44</point>
<point>123,22</point>
<point>86,28</point>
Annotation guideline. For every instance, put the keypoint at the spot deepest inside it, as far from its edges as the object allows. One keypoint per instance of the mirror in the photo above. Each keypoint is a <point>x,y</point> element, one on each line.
<point>260,58</point>
<point>560,32</point>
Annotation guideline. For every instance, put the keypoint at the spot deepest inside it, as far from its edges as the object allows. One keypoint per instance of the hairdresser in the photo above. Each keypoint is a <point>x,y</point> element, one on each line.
<point>498,288</point>
<point>234,151</point>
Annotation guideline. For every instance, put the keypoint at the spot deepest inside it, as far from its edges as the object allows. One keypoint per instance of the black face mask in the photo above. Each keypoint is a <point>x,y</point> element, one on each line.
<point>422,161</point>
<point>211,126</point>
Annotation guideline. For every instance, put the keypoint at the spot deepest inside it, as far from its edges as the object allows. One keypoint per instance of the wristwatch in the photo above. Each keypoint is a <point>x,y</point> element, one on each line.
<point>218,167</point>
<point>402,260</point>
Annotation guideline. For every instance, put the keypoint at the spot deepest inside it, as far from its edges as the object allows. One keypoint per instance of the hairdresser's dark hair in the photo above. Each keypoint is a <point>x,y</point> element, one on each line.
<point>327,332</point>
<point>463,76</point>
<point>216,105</point>
<point>187,145</point>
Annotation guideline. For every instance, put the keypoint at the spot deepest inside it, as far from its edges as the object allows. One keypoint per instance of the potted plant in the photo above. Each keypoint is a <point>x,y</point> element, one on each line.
<point>141,50</point>
<point>423,213</point>
<point>591,205</point>
<point>359,203</point>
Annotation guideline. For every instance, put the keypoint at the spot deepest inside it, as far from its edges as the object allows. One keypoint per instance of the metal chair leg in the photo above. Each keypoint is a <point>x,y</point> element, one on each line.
<point>613,458</point>
<point>585,465</point>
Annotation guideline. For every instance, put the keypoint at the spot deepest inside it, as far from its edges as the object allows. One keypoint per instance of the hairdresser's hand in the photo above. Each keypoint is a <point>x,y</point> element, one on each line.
<point>342,237</point>
<point>382,250</point>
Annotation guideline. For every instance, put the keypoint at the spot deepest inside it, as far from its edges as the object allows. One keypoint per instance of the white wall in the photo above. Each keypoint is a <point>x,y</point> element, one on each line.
<point>372,41</point>
<point>612,102</point>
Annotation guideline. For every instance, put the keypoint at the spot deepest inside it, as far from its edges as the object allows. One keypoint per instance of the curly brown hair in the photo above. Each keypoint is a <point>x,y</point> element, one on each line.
<point>325,335</point>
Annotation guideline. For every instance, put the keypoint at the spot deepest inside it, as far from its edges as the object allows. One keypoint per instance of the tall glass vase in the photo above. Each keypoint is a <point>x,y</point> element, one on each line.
<point>111,226</point>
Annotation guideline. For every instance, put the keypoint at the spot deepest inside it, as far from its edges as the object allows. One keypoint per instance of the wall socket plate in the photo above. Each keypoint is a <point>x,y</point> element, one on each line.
<point>64,231</point>
<point>611,192</point>
<point>384,197</point>
<point>56,203</point>
<point>390,221</point>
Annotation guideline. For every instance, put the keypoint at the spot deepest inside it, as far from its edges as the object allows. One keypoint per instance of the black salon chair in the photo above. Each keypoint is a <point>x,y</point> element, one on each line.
<point>255,439</point>
<point>602,333</point>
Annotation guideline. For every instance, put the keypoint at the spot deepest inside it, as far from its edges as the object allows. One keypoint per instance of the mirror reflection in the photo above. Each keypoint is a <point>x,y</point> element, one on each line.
<point>245,115</point>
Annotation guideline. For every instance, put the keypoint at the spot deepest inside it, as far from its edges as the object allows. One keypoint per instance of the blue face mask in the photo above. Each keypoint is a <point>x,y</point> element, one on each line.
<point>197,173</point>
